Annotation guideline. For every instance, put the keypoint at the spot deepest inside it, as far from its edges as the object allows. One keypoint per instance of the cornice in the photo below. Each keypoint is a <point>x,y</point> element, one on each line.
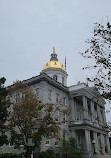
<point>46,78</point>
<point>86,92</point>
<point>86,126</point>
<point>54,70</point>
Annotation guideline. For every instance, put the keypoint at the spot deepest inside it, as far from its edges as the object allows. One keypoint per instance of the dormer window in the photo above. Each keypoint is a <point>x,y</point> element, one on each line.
<point>55,77</point>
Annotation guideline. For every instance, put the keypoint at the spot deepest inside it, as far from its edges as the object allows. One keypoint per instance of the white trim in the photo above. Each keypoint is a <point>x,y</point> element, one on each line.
<point>21,146</point>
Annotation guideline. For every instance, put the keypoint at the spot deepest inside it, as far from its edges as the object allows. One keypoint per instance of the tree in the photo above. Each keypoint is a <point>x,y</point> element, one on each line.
<point>3,112</point>
<point>69,148</point>
<point>49,153</point>
<point>100,50</point>
<point>30,119</point>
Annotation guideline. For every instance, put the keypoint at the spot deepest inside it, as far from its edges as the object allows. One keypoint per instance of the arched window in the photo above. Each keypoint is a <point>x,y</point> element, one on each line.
<point>55,77</point>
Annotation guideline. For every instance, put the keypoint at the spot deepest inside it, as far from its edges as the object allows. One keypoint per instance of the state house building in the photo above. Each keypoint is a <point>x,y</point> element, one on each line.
<point>87,120</point>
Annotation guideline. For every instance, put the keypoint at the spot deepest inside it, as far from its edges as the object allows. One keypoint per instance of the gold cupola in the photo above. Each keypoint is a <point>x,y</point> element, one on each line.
<point>53,63</point>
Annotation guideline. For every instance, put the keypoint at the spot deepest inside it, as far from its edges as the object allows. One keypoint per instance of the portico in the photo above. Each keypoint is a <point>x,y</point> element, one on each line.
<point>88,124</point>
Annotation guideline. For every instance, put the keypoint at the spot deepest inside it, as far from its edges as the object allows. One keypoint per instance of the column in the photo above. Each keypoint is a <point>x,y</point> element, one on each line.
<point>85,107</point>
<point>73,134</point>
<point>107,144</point>
<point>102,144</point>
<point>96,140</point>
<point>104,116</point>
<point>98,115</point>
<point>92,110</point>
<point>73,109</point>
<point>88,141</point>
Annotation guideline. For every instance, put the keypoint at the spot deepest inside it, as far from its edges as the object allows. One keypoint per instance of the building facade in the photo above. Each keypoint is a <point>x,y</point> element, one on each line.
<point>87,120</point>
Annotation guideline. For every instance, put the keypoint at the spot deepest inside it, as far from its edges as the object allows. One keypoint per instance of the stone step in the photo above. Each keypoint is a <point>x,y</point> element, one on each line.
<point>104,156</point>
<point>100,156</point>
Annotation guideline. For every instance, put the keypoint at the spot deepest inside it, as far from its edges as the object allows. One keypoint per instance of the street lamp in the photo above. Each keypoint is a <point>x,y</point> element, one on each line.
<point>32,154</point>
<point>93,142</point>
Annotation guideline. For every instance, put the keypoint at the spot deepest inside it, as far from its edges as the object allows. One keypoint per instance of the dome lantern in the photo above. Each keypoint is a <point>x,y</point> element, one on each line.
<point>53,55</point>
<point>53,63</point>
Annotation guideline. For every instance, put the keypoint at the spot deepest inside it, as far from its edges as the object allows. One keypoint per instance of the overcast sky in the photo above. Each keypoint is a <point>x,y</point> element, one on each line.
<point>30,28</point>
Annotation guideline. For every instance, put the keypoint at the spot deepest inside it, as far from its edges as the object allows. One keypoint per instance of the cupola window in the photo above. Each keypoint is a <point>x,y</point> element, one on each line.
<point>55,77</point>
<point>62,80</point>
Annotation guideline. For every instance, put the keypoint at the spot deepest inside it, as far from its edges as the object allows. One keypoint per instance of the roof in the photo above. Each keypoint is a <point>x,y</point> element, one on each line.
<point>46,78</point>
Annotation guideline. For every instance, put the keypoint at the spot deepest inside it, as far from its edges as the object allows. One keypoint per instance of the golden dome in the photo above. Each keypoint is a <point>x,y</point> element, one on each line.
<point>53,63</point>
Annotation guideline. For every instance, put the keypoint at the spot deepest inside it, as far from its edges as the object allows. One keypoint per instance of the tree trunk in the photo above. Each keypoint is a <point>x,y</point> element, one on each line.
<point>28,152</point>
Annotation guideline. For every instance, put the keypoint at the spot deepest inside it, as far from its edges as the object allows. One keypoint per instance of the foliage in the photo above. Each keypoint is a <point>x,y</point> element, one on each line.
<point>100,51</point>
<point>3,111</point>
<point>30,119</point>
<point>10,155</point>
<point>47,154</point>
<point>44,154</point>
<point>69,149</point>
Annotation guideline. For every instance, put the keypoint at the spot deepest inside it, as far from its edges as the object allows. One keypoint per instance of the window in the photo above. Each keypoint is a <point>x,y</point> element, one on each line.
<point>17,97</point>
<point>55,77</point>
<point>101,114</point>
<point>62,80</point>
<point>57,115</point>
<point>49,94</point>
<point>64,101</point>
<point>64,117</point>
<point>57,143</point>
<point>95,112</point>
<point>95,106</point>
<point>64,134</point>
<point>37,92</point>
<point>47,143</point>
<point>57,98</point>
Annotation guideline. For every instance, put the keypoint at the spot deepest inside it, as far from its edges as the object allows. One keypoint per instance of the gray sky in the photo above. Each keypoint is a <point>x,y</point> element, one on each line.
<point>30,28</point>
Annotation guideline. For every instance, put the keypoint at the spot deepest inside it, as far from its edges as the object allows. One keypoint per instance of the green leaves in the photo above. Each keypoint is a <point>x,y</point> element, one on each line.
<point>100,50</point>
<point>69,148</point>
<point>3,111</point>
